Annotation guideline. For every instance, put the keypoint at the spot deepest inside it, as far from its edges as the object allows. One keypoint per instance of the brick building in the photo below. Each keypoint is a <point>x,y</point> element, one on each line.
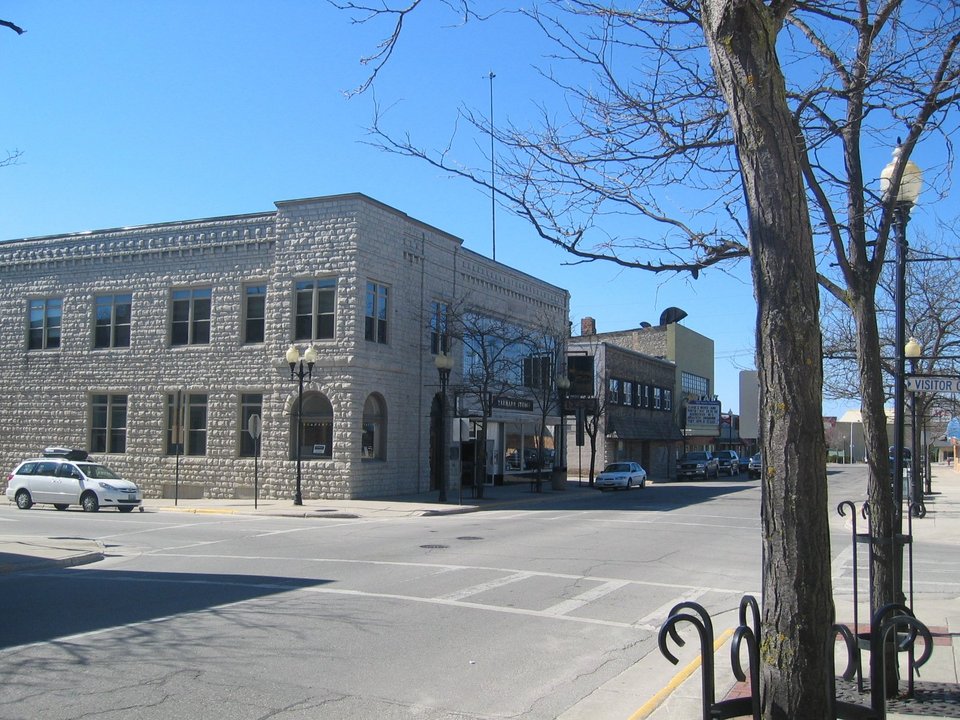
<point>114,339</point>
<point>647,377</point>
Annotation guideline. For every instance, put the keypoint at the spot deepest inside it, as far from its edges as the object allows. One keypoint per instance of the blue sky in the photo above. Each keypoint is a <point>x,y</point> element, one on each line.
<point>133,112</point>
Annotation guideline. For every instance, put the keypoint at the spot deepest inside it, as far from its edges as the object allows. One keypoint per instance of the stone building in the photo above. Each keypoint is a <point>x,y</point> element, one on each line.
<point>674,360</point>
<point>153,346</point>
<point>633,395</point>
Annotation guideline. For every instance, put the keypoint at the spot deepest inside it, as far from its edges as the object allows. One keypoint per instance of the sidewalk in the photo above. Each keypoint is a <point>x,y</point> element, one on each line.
<point>937,692</point>
<point>420,504</point>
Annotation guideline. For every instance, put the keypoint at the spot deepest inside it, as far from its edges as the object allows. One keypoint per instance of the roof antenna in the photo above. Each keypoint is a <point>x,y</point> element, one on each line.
<point>493,177</point>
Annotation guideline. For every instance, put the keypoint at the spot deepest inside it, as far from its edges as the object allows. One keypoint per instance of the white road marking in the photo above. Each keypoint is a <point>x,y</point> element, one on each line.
<point>584,598</point>
<point>434,566</point>
<point>660,614</point>
<point>483,587</point>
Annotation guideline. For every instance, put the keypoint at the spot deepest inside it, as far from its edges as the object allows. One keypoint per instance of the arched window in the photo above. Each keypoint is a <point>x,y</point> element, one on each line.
<point>373,445</point>
<point>316,438</point>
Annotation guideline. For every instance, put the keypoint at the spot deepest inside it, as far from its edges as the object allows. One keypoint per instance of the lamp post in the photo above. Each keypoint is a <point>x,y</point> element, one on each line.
<point>912,351</point>
<point>299,372</point>
<point>560,453</point>
<point>444,365</point>
<point>907,192</point>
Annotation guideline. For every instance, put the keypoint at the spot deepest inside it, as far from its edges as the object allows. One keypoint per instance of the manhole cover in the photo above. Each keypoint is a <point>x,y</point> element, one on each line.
<point>469,537</point>
<point>434,547</point>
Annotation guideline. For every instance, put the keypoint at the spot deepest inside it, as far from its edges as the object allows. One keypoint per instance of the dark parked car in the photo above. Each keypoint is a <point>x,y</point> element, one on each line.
<point>698,464</point>
<point>728,462</point>
<point>753,467</point>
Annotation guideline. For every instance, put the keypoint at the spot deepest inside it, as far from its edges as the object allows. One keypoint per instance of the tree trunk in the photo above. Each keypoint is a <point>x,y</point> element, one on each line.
<point>796,646</point>
<point>880,500</point>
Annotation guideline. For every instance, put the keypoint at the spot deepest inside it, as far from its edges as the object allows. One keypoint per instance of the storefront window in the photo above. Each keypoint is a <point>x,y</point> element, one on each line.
<point>522,451</point>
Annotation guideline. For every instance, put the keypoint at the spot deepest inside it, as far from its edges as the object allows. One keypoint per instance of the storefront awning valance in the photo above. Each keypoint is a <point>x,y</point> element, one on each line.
<point>643,429</point>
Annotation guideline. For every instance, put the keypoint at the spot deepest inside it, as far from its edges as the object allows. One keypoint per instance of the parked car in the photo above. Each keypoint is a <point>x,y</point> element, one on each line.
<point>728,462</point>
<point>753,467</point>
<point>624,475</point>
<point>68,477</point>
<point>697,464</point>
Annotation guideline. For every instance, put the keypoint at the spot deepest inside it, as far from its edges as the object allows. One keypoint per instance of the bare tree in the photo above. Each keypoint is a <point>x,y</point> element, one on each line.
<point>693,94</point>
<point>13,156</point>
<point>17,29</point>
<point>546,354</point>
<point>932,316</point>
<point>493,347</point>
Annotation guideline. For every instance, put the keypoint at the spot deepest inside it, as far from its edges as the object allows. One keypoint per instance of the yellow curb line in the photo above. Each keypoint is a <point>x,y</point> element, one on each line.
<point>657,700</point>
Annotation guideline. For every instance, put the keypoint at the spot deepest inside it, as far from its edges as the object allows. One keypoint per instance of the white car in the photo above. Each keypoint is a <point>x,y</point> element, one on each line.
<point>624,475</point>
<point>62,481</point>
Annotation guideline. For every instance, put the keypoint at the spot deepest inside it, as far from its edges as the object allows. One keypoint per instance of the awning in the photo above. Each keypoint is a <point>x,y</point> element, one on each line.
<point>641,429</point>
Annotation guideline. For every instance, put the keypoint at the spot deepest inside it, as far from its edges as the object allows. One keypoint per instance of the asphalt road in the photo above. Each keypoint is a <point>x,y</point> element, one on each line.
<point>518,613</point>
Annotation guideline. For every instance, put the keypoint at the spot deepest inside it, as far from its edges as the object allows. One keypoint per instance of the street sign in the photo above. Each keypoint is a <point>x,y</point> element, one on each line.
<point>932,383</point>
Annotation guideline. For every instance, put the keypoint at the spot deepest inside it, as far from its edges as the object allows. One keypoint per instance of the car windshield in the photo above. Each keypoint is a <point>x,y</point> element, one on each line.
<point>696,456</point>
<point>98,472</point>
<point>617,467</point>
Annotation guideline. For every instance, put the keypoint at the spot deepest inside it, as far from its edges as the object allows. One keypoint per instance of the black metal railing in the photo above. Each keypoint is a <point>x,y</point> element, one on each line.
<point>747,637</point>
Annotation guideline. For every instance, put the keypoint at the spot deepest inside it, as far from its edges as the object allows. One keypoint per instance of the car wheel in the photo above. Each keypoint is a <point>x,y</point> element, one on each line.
<point>61,506</point>
<point>24,501</point>
<point>125,508</point>
<point>89,502</point>
<point>629,484</point>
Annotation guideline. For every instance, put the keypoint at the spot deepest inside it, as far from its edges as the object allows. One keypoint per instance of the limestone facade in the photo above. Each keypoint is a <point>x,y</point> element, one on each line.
<point>103,331</point>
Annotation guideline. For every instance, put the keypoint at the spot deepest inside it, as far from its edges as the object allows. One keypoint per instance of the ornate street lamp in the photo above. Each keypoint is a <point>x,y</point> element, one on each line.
<point>560,453</point>
<point>299,372</point>
<point>911,182</point>
<point>444,365</point>
<point>912,351</point>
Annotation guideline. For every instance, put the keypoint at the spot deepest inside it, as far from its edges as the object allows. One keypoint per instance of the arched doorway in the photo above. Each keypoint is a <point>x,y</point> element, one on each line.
<point>316,435</point>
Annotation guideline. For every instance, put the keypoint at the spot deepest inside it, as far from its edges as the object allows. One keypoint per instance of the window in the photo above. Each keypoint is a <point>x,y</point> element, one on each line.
<point>645,396</point>
<point>439,339</point>
<point>373,443</point>
<point>695,385</point>
<point>613,391</point>
<point>375,325</point>
<point>315,305</point>
<point>190,317</point>
<point>316,435</point>
<point>628,396</point>
<point>667,399</point>
<point>254,313</point>
<point>657,398</point>
<point>108,423</point>
<point>45,317</point>
<point>250,404</point>
<point>187,423</point>
<point>112,321</point>
<point>537,372</point>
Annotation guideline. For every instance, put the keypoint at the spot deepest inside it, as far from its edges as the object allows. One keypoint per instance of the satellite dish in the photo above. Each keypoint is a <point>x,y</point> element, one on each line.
<point>672,315</point>
<point>645,324</point>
